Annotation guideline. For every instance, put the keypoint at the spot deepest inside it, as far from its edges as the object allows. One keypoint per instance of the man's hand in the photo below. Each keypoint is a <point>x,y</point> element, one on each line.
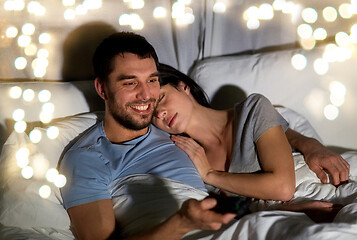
<point>320,159</point>
<point>197,214</point>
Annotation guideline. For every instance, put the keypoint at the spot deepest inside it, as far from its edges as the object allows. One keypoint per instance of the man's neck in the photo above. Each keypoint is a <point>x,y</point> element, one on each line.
<point>117,133</point>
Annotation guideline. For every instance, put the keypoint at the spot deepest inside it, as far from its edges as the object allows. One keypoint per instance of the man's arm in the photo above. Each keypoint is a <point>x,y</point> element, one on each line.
<point>96,220</point>
<point>93,220</point>
<point>320,158</point>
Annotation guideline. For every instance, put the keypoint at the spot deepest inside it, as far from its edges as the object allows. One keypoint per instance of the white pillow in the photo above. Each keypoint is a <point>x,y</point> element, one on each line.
<point>20,202</point>
<point>298,122</point>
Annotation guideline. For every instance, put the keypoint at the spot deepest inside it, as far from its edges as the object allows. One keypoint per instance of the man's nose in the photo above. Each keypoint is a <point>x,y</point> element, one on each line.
<point>144,92</point>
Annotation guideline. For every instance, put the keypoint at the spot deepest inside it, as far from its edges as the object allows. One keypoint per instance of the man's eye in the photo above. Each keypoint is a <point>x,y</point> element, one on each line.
<point>153,80</point>
<point>129,83</point>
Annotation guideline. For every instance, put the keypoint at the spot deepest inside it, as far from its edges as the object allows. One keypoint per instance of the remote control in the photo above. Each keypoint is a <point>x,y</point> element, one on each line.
<point>231,204</point>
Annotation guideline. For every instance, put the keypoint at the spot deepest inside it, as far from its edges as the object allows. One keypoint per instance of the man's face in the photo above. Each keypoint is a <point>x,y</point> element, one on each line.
<point>132,90</point>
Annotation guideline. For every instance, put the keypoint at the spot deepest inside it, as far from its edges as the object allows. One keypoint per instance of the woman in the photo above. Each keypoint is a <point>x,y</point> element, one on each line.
<point>228,145</point>
<point>230,140</point>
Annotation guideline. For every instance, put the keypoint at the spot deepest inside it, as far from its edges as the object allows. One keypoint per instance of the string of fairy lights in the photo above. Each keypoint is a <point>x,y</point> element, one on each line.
<point>339,50</point>
<point>35,45</point>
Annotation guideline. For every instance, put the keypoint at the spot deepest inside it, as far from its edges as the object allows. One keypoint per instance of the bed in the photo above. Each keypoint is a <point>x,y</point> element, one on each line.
<point>30,203</point>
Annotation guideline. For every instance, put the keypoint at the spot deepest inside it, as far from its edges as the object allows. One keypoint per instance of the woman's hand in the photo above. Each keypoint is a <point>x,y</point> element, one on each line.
<point>195,152</point>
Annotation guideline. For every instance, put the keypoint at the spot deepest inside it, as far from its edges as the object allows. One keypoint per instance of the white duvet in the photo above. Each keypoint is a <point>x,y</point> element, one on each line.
<point>24,215</point>
<point>148,199</point>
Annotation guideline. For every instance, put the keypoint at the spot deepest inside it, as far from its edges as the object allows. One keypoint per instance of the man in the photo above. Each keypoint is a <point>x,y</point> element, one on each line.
<point>125,144</point>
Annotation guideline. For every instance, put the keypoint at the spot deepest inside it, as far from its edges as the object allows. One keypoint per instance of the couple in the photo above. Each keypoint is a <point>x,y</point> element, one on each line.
<point>124,144</point>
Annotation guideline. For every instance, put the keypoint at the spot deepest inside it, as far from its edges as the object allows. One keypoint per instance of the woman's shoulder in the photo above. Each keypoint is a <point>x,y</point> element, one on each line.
<point>254,100</point>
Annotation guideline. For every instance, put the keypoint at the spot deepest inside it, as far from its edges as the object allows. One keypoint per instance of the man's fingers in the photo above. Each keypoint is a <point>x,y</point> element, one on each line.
<point>208,203</point>
<point>320,174</point>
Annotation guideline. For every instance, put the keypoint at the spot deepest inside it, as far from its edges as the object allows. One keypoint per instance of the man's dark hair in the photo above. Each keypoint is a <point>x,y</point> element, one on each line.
<point>120,43</point>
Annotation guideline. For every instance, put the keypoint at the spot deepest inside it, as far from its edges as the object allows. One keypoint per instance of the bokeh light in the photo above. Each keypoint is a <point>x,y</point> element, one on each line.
<point>69,14</point>
<point>27,172</point>
<point>219,7</point>
<point>329,14</point>
<point>309,15</point>
<point>304,30</point>
<point>20,63</point>
<point>15,92</point>
<point>45,117</point>
<point>31,49</point>
<point>36,8</point>
<point>159,12</point>
<point>35,136</point>
<point>44,96</point>
<point>321,66</point>
<point>40,164</point>
<point>92,4</point>
<point>52,132</point>
<point>266,11</point>
<point>331,112</point>
<point>24,40</point>
<point>137,4</point>
<point>18,114</point>
<point>11,32</point>
<point>22,157</point>
<point>68,3</point>
<point>48,107</point>
<point>81,10</point>
<point>342,39</point>
<point>60,181</point>
<point>44,191</point>
<point>44,38</point>
<point>251,13</point>
<point>298,61</point>
<point>308,43</point>
<point>345,10</point>
<point>320,34</point>
<point>337,88</point>
<point>51,174</point>
<point>28,95</point>
<point>28,29</point>
<point>253,24</point>
<point>20,126</point>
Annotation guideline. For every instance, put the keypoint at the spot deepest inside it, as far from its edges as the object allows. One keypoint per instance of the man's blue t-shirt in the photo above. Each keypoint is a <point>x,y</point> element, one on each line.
<point>93,163</point>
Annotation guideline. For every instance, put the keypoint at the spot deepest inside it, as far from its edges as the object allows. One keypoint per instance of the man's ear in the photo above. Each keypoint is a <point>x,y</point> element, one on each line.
<point>99,87</point>
<point>183,86</point>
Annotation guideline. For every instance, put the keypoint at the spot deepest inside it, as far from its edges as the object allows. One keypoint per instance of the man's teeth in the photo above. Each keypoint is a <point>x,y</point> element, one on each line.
<point>140,107</point>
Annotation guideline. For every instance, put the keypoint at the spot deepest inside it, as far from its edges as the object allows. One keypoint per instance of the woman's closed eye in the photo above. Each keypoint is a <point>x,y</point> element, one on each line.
<point>160,98</point>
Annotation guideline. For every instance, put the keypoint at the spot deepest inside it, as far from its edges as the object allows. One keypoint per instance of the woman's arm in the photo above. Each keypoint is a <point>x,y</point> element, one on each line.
<point>277,182</point>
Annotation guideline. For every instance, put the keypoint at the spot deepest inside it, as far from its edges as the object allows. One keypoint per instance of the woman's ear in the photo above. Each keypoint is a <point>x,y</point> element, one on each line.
<point>183,86</point>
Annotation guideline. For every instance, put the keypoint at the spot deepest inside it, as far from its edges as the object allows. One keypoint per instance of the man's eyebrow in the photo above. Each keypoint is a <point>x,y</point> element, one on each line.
<point>155,74</point>
<point>126,77</point>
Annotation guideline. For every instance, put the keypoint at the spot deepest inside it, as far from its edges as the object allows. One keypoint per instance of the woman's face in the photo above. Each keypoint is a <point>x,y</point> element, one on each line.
<point>174,109</point>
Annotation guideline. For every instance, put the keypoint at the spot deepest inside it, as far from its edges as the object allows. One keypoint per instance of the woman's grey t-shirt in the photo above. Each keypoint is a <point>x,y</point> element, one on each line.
<point>252,117</point>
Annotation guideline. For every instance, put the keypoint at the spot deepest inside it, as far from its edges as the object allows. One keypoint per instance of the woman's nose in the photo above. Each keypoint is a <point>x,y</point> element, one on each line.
<point>160,113</point>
